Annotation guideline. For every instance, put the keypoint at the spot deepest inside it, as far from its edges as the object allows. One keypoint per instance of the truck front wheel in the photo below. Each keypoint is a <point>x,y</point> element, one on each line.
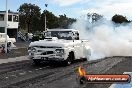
<point>36,61</point>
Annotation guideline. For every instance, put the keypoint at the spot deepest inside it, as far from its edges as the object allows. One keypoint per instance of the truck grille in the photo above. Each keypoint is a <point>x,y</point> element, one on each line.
<point>47,47</point>
<point>47,52</point>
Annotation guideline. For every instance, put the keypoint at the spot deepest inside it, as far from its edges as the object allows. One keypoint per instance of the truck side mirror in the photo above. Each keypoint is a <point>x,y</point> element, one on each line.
<point>73,37</point>
<point>76,36</point>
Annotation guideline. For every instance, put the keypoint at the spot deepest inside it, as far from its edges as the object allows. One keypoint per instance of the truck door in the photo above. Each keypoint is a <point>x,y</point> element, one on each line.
<point>78,45</point>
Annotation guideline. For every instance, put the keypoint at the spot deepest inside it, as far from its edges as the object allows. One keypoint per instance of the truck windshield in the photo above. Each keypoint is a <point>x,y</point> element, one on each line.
<point>67,35</point>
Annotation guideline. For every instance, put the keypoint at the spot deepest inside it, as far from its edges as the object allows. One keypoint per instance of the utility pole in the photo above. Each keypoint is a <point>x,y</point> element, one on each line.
<point>6,26</point>
<point>46,5</point>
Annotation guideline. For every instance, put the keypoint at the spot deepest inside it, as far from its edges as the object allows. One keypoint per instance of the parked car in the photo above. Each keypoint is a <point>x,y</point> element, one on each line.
<point>38,36</point>
<point>10,41</point>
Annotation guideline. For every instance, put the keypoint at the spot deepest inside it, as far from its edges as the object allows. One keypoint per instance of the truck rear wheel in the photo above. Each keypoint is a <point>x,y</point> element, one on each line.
<point>84,59</point>
<point>37,61</point>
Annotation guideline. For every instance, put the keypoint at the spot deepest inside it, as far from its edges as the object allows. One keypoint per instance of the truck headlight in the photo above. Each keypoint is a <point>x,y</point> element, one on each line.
<point>59,51</point>
<point>31,49</point>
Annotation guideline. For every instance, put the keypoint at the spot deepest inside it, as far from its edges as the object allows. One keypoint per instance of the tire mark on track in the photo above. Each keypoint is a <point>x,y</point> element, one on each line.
<point>37,75</point>
<point>62,75</point>
<point>61,72</point>
<point>4,68</point>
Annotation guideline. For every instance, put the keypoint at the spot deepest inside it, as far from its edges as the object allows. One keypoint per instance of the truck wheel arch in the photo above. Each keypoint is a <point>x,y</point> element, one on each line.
<point>70,58</point>
<point>72,54</point>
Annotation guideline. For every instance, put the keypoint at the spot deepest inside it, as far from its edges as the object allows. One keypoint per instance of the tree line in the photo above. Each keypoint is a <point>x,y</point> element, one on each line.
<point>32,20</point>
<point>117,19</point>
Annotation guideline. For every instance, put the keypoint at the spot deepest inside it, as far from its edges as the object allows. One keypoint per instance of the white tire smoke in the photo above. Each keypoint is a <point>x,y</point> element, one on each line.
<point>106,39</point>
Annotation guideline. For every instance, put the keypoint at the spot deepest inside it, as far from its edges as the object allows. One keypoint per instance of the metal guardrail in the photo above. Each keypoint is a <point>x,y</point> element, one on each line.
<point>22,36</point>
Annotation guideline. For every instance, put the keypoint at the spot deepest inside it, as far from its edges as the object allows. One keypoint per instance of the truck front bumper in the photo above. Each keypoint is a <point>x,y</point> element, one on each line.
<point>46,57</point>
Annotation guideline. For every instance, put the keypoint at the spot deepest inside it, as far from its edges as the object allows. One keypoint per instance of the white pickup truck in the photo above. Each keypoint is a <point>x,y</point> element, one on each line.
<point>59,45</point>
<point>10,41</point>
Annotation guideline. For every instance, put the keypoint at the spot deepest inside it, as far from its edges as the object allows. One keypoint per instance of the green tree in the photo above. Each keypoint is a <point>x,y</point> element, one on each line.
<point>94,17</point>
<point>119,19</point>
<point>51,20</point>
<point>65,22</point>
<point>29,16</point>
<point>70,22</point>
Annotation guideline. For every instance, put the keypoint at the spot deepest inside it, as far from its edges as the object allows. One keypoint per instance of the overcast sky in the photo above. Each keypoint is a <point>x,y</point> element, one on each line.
<point>77,8</point>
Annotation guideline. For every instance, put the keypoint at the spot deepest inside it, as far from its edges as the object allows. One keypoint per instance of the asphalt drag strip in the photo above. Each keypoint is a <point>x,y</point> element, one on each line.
<point>63,77</point>
<point>111,65</point>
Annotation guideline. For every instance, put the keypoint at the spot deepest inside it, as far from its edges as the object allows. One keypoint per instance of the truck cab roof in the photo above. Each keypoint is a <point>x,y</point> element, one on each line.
<point>62,30</point>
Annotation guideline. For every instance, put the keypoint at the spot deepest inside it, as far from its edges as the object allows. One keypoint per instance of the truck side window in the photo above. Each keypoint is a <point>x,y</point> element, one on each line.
<point>48,34</point>
<point>76,36</point>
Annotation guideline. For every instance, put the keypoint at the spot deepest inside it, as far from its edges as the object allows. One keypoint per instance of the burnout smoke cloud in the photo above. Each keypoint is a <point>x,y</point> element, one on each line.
<point>106,39</point>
